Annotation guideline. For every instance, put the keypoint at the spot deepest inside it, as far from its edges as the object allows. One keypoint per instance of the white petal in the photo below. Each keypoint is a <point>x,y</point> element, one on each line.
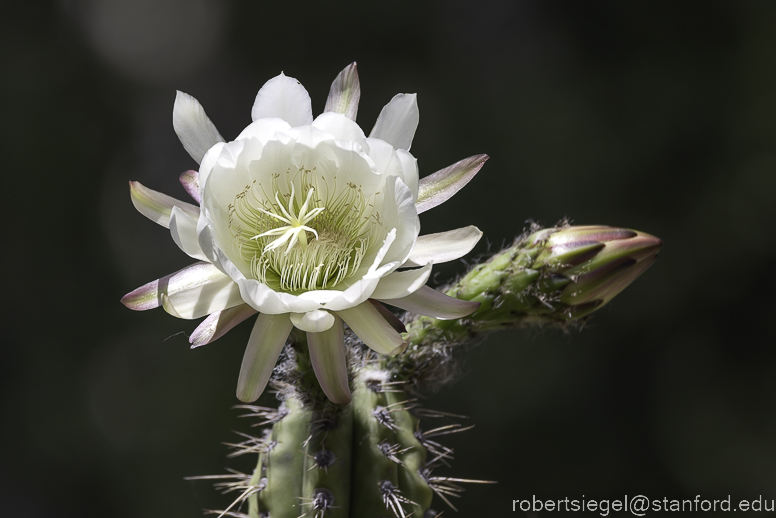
<point>439,187</point>
<point>157,206</point>
<point>340,126</point>
<point>444,246</point>
<point>400,284</point>
<point>431,303</point>
<point>398,121</point>
<point>218,324</point>
<point>283,97</point>
<point>313,321</point>
<point>149,295</point>
<point>196,132</point>
<point>264,346</point>
<point>208,162</point>
<point>329,360</point>
<point>184,232</point>
<point>384,157</point>
<point>264,129</point>
<point>345,93</point>
<point>409,165</point>
<point>400,214</point>
<point>372,329</point>
<point>211,291</point>
<point>190,182</point>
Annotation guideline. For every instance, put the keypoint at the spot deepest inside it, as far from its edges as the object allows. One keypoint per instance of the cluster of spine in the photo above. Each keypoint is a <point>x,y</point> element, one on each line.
<point>371,458</point>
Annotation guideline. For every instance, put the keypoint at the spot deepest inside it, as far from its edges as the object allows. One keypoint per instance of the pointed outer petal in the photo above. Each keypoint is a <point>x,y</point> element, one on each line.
<point>196,295</point>
<point>439,187</point>
<point>444,246</point>
<point>398,121</point>
<point>327,354</point>
<point>149,296</point>
<point>400,284</point>
<point>157,206</point>
<point>195,131</point>
<point>184,232</point>
<point>345,93</point>
<point>389,317</point>
<point>264,129</point>
<point>370,326</point>
<point>190,182</point>
<point>340,126</point>
<point>264,346</point>
<point>218,324</point>
<point>409,165</point>
<point>431,303</point>
<point>313,321</point>
<point>283,97</point>
<point>402,216</point>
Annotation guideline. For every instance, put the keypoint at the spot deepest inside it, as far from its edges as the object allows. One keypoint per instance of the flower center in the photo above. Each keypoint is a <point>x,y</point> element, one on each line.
<point>271,230</point>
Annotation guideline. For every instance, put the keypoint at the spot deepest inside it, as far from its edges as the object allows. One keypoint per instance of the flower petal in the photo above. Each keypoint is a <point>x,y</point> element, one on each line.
<point>190,181</point>
<point>157,206</point>
<point>149,296</point>
<point>340,126</point>
<point>200,293</point>
<point>398,121</point>
<point>264,346</point>
<point>410,166</point>
<point>184,232</point>
<point>439,187</point>
<point>401,215</point>
<point>345,93</point>
<point>400,284</point>
<point>444,246</point>
<point>315,321</point>
<point>218,324</point>
<point>372,329</point>
<point>389,317</point>
<point>286,98</point>
<point>431,303</point>
<point>327,354</point>
<point>195,130</point>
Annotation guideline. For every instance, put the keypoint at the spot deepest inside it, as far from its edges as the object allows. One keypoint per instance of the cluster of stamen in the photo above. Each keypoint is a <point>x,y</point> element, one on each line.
<point>297,246</point>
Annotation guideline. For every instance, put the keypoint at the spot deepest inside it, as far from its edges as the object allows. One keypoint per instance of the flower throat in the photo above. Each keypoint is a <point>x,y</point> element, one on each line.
<point>299,244</point>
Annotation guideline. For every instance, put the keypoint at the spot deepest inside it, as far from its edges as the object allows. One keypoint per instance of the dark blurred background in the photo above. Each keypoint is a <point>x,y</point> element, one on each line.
<point>659,116</point>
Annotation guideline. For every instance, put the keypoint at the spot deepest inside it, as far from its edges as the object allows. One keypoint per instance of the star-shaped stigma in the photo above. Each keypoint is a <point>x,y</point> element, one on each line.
<point>296,229</point>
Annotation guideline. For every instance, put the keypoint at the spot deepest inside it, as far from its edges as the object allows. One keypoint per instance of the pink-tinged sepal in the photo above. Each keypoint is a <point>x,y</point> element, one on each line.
<point>439,187</point>
<point>345,93</point>
<point>157,206</point>
<point>218,324</point>
<point>192,292</point>
<point>190,182</point>
<point>431,303</point>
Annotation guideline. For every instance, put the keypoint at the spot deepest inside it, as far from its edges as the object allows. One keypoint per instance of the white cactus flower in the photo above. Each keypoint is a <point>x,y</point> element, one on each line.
<point>308,222</point>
